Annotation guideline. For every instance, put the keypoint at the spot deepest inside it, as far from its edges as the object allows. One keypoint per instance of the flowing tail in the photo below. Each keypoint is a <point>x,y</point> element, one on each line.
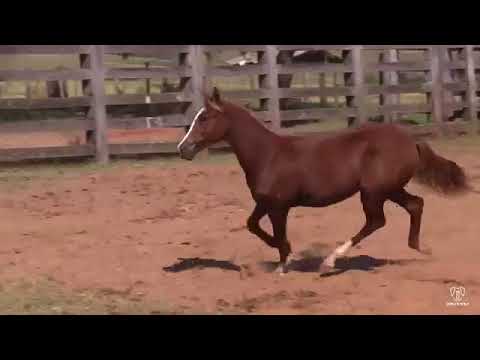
<point>440,174</point>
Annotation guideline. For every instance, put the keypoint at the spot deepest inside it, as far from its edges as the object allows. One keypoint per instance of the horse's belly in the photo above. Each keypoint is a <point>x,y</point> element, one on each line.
<point>322,200</point>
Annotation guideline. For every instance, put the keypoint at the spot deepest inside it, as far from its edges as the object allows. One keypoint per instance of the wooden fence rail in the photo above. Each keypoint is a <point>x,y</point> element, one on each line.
<point>450,87</point>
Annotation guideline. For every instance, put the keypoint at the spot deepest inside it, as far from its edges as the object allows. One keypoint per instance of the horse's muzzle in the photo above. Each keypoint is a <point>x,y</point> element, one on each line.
<point>187,151</point>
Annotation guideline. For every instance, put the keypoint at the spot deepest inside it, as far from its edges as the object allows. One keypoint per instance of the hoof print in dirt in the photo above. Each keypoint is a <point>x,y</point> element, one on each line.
<point>221,303</point>
<point>246,271</point>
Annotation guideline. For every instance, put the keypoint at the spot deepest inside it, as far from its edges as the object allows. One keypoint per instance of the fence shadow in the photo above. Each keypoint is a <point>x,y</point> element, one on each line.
<point>190,263</point>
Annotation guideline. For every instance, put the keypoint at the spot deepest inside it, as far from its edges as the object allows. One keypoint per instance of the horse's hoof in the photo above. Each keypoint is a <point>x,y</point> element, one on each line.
<point>329,262</point>
<point>325,268</point>
<point>281,269</point>
<point>426,251</point>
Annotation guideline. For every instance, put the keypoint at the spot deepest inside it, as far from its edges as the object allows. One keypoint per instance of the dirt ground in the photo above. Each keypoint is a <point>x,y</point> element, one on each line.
<point>165,236</point>
<point>51,138</point>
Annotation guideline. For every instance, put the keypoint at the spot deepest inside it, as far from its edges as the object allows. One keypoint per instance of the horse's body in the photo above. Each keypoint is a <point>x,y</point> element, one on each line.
<point>317,171</point>
<point>321,171</point>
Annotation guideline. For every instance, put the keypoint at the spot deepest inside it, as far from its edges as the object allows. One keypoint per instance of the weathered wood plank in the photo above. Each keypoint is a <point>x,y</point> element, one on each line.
<point>52,103</point>
<point>43,49</point>
<point>214,48</point>
<point>456,86</point>
<point>309,67</point>
<point>397,47</point>
<point>46,125</point>
<point>243,94</point>
<point>146,50</point>
<point>399,66</point>
<point>398,89</point>
<point>131,99</point>
<point>171,120</point>
<point>17,154</point>
<point>314,47</point>
<point>456,64</point>
<point>326,91</point>
<point>432,129</point>
<point>47,75</point>
<point>304,114</point>
<point>152,73</point>
<point>402,108</point>
<point>250,69</point>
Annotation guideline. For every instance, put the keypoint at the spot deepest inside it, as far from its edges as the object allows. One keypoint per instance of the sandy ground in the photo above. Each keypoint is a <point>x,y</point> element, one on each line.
<point>174,232</point>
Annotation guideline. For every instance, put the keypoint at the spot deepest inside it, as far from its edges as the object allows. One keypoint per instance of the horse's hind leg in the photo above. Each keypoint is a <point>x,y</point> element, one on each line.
<point>375,219</point>
<point>414,206</point>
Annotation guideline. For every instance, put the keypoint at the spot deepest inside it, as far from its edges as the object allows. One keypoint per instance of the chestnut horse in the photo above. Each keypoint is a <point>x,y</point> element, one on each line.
<point>377,160</point>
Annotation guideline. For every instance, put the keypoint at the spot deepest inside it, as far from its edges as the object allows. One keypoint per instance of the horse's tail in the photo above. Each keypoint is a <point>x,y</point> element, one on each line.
<point>438,173</point>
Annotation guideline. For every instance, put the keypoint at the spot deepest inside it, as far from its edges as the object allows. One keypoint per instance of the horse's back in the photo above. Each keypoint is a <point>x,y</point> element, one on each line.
<point>370,157</point>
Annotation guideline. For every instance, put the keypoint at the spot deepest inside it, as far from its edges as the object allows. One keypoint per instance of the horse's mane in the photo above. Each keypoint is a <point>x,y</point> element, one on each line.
<point>242,109</point>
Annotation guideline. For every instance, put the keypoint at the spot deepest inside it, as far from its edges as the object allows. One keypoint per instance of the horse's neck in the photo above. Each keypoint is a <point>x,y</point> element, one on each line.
<point>251,142</point>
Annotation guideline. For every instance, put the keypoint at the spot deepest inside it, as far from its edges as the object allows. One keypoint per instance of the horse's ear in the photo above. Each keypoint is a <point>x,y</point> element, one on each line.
<point>214,101</point>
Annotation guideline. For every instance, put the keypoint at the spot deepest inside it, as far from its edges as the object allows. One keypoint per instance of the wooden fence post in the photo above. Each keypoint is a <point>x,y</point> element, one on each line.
<point>437,89</point>
<point>197,82</point>
<point>99,102</point>
<point>389,78</point>
<point>86,86</point>
<point>472,114</point>
<point>274,102</point>
<point>358,84</point>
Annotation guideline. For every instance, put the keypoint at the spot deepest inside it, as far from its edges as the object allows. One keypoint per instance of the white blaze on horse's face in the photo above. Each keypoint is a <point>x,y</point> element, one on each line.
<point>180,146</point>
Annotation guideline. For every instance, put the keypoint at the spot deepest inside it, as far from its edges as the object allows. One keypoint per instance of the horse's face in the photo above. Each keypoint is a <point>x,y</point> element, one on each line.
<point>209,126</point>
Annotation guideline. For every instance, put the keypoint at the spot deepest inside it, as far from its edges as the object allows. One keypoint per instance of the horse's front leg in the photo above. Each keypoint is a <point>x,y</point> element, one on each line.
<point>278,241</point>
<point>253,225</point>
<point>278,217</point>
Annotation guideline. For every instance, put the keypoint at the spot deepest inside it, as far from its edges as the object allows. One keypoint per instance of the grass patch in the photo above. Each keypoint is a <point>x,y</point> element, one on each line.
<point>47,297</point>
<point>417,119</point>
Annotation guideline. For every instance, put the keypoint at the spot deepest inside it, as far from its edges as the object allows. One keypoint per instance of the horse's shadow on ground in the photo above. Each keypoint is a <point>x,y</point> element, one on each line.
<point>342,265</point>
<point>190,263</point>
<point>306,264</point>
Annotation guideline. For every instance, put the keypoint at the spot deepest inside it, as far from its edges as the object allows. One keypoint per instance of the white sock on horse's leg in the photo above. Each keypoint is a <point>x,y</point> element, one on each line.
<point>339,251</point>
<point>281,268</point>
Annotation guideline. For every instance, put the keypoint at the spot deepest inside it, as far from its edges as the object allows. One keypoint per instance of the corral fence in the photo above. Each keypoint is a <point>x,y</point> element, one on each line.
<point>356,83</point>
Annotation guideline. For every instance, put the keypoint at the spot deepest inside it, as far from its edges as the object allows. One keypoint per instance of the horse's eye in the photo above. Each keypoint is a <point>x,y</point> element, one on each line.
<point>203,118</point>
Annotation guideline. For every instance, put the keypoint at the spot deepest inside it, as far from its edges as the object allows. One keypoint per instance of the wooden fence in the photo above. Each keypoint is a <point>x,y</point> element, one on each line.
<point>450,89</point>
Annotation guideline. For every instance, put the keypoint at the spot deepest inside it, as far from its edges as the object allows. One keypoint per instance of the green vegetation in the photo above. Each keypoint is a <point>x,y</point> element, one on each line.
<point>47,297</point>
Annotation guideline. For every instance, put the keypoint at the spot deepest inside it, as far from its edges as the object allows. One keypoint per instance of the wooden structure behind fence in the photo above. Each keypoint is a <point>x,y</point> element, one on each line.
<point>451,89</point>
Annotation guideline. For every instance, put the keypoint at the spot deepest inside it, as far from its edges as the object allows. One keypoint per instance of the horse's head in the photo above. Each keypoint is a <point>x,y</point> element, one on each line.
<point>209,126</point>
